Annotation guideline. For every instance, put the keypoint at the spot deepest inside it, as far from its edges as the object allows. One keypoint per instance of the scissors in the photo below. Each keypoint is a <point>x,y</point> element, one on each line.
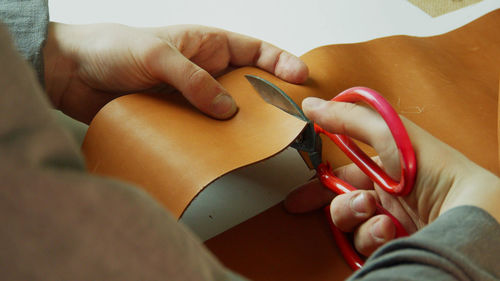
<point>309,141</point>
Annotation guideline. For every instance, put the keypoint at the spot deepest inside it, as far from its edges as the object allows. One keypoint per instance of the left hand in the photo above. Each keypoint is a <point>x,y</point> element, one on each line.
<point>86,66</point>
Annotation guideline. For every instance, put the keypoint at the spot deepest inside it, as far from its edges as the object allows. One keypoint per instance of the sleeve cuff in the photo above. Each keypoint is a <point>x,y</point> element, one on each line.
<point>463,243</point>
<point>27,21</point>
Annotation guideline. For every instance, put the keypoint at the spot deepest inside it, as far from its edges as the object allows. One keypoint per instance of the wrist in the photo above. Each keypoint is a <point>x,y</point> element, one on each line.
<point>475,187</point>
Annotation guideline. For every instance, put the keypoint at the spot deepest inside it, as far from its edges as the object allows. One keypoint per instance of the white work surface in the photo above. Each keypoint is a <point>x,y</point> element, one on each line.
<point>295,25</point>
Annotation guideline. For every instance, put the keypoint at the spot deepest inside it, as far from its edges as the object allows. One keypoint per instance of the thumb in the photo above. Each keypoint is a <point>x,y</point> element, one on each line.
<point>358,122</point>
<point>348,119</point>
<point>196,84</point>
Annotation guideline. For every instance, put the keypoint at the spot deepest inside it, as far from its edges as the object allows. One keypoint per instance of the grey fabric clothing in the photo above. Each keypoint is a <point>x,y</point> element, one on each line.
<point>27,21</point>
<point>462,244</point>
<point>59,222</point>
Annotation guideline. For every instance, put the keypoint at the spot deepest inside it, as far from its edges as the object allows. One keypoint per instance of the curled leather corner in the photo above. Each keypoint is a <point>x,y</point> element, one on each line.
<point>164,145</point>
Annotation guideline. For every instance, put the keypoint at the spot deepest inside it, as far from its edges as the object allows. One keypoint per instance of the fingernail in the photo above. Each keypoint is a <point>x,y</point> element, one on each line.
<point>377,232</point>
<point>223,106</point>
<point>312,103</point>
<point>359,204</point>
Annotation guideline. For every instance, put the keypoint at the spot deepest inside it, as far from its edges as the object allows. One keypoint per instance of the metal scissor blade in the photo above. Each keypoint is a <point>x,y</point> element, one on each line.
<point>275,96</point>
<point>308,141</point>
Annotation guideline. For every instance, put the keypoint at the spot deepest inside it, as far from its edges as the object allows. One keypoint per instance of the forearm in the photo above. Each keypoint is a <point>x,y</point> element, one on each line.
<point>27,22</point>
<point>475,187</point>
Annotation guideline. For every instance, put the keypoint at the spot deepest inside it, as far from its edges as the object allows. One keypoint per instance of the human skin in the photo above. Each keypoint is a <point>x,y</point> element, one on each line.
<point>445,179</point>
<point>86,66</point>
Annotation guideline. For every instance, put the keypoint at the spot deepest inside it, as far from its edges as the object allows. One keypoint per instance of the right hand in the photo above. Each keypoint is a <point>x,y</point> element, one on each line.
<point>445,178</point>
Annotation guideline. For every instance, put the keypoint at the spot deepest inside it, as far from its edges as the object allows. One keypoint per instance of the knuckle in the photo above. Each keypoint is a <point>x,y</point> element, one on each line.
<point>196,82</point>
<point>342,215</point>
<point>363,241</point>
<point>345,113</point>
<point>156,54</point>
<point>337,117</point>
<point>346,108</point>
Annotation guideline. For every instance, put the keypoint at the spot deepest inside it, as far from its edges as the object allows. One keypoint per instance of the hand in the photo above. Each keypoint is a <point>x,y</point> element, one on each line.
<point>445,179</point>
<point>88,65</point>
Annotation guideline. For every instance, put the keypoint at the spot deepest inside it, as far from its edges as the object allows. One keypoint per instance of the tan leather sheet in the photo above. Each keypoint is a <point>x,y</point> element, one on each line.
<point>447,84</point>
<point>277,246</point>
<point>164,145</point>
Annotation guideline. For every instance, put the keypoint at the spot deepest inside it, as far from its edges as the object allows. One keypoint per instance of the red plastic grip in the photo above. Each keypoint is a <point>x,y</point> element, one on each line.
<point>368,166</point>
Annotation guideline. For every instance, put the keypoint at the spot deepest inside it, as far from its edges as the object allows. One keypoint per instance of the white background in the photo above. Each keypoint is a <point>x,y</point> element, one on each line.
<point>295,25</point>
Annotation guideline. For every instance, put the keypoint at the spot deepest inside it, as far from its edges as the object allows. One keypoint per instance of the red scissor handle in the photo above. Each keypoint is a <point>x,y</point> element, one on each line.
<point>366,164</point>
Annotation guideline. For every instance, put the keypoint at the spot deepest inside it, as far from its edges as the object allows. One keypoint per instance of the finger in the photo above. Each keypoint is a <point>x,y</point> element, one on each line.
<point>310,196</point>
<point>196,84</point>
<point>374,233</point>
<point>354,176</point>
<point>314,195</point>
<point>357,122</point>
<point>245,50</point>
<point>349,119</point>
<point>351,209</point>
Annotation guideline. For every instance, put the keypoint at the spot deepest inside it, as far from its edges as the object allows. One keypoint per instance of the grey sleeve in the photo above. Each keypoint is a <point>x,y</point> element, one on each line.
<point>462,244</point>
<point>27,21</point>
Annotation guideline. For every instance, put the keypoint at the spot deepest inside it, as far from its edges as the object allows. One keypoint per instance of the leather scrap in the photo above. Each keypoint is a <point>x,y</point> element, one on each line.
<point>436,8</point>
<point>163,144</point>
<point>447,84</point>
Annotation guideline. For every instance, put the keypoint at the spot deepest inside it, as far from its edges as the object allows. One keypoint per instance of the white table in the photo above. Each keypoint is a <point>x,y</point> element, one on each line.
<point>295,25</point>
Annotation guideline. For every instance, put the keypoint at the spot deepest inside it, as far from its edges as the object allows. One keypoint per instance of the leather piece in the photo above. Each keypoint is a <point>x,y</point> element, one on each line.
<point>435,8</point>
<point>277,246</point>
<point>173,151</point>
<point>447,84</point>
